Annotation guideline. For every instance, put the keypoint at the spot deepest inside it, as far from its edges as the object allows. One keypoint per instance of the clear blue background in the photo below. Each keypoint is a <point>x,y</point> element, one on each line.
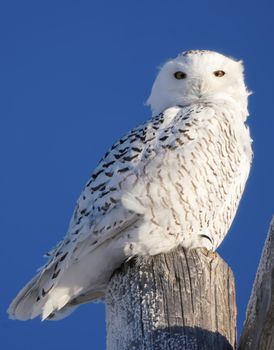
<point>74,76</point>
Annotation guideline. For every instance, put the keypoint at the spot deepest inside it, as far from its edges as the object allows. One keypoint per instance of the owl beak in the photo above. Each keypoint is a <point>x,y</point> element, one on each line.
<point>199,88</point>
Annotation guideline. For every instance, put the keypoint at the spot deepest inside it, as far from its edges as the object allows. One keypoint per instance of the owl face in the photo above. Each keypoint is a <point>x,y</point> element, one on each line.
<point>198,76</point>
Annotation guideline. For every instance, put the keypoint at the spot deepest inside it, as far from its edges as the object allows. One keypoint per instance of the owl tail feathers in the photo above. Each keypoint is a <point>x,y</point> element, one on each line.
<point>22,307</point>
<point>28,305</point>
<point>56,305</point>
<point>39,297</point>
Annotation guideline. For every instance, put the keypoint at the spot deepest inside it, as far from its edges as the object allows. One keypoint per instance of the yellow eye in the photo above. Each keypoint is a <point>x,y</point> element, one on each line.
<point>219,73</point>
<point>180,75</point>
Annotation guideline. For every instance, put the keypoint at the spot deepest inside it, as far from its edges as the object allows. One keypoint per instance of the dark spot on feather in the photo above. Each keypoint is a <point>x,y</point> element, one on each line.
<point>152,138</point>
<point>123,149</point>
<point>128,159</point>
<point>95,188</point>
<point>135,149</point>
<point>94,176</point>
<point>90,181</point>
<point>105,206</point>
<point>118,156</point>
<point>163,138</point>
<point>190,138</point>
<point>110,174</point>
<point>38,298</point>
<point>63,257</point>
<point>106,165</point>
<point>122,140</point>
<point>55,274</point>
<point>140,137</point>
<point>104,193</point>
<point>106,154</point>
<point>205,236</point>
<point>45,292</point>
<point>123,170</point>
<point>79,220</point>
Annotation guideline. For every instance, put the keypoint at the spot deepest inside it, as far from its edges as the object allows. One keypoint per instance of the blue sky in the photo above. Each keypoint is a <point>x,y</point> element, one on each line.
<point>74,76</point>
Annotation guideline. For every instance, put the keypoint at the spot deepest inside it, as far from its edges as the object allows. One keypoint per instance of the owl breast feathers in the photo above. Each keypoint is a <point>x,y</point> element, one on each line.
<point>175,180</point>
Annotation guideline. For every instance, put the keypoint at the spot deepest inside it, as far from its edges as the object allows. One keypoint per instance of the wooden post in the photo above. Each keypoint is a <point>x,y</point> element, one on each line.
<point>258,332</point>
<point>183,300</point>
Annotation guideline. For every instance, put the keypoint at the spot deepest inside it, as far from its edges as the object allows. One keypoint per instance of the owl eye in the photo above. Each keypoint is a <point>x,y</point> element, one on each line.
<point>219,73</point>
<point>180,75</point>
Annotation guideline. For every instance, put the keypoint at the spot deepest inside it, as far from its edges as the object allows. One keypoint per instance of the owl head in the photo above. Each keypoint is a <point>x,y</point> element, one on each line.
<point>199,76</point>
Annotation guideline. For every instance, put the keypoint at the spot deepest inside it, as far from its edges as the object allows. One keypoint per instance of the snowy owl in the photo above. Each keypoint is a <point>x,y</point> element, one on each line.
<point>177,179</point>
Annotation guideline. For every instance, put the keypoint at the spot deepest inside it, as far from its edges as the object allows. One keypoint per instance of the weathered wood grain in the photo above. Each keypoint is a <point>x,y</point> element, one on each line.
<point>183,300</point>
<point>258,332</point>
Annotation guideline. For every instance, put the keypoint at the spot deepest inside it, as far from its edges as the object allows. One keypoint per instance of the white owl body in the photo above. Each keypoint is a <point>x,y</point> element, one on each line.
<point>191,192</point>
<point>174,180</point>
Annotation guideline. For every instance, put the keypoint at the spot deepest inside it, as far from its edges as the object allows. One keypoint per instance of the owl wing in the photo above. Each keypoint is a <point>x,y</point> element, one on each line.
<point>100,212</point>
<point>98,216</point>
